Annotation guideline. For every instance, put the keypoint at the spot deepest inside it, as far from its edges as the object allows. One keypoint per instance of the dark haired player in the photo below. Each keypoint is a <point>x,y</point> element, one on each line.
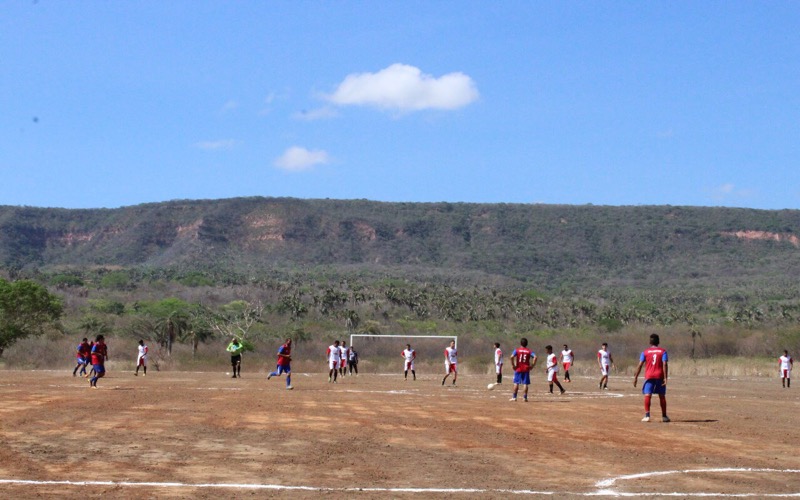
<point>654,358</point>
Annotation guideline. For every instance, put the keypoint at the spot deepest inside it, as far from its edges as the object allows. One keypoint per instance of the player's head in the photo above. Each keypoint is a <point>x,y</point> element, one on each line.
<point>85,339</point>
<point>141,342</point>
<point>785,352</point>
<point>235,341</point>
<point>604,346</point>
<point>335,342</point>
<point>565,347</point>
<point>408,346</point>
<point>452,343</point>
<point>549,349</point>
<point>497,345</point>
<point>344,343</point>
<point>654,340</point>
<point>100,338</point>
<point>288,341</point>
<point>523,342</point>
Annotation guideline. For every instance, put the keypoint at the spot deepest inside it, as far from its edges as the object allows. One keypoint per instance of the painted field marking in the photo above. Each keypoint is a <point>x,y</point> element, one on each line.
<point>603,487</point>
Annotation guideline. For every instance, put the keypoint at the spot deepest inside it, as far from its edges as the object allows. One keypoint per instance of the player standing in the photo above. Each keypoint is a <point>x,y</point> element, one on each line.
<point>284,363</point>
<point>552,369</point>
<point>409,355</point>
<point>522,361</point>
<point>141,359</point>
<point>99,356</point>
<point>344,353</point>
<point>567,358</point>
<point>334,356</point>
<point>235,348</point>
<point>655,377</point>
<point>450,362</point>
<point>785,362</point>
<point>498,362</point>
<point>83,352</point>
<point>605,361</point>
<point>352,361</point>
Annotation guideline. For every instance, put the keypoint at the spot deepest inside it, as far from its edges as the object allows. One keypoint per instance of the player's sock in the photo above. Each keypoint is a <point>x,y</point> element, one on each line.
<point>647,398</point>
<point>288,380</point>
<point>499,378</point>
<point>551,388</point>
<point>663,401</point>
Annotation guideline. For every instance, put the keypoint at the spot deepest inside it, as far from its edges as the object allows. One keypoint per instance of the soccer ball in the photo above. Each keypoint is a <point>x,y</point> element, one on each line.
<point>490,386</point>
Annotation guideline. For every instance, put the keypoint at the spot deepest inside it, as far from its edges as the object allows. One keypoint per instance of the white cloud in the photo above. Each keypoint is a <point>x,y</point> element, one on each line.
<point>219,145</point>
<point>229,106</point>
<point>298,159</point>
<point>728,190</point>
<point>405,88</point>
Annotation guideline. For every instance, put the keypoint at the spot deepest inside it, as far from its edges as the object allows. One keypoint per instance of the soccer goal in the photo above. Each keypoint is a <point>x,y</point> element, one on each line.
<point>381,336</point>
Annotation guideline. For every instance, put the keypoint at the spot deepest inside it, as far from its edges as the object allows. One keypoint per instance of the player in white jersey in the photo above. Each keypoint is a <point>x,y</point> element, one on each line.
<point>141,359</point>
<point>450,362</point>
<point>344,354</point>
<point>552,369</point>
<point>605,361</point>
<point>567,359</point>
<point>498,362</point>
<point>786,363</point>
<point>334,356</point>
<point>409,355</point>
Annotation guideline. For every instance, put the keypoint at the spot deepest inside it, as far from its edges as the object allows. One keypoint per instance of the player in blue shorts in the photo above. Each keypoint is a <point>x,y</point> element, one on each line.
<point>522,361</point>
<point>656,363</point>
<point>284,363</point>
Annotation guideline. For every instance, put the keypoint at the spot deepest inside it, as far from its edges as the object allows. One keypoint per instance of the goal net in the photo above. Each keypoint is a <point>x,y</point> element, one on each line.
<point>382,353</point>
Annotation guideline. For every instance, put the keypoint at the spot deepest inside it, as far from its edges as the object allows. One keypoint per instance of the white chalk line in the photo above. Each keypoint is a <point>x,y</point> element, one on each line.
<point>603,487</point>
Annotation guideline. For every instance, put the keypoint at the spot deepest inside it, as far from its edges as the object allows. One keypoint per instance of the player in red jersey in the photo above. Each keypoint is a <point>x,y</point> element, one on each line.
<point>656,372</point>
<point>99,357</point>
<point>84,350</point>
<point>284,363</point>
<point>522,361</point>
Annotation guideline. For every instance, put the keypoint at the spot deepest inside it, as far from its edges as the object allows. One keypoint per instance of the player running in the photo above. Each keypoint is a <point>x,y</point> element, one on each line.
<point>450,362</point>
<point>522,361</point>
<point>605,361</point>
<point>655,377</point>
<point>235,348</point>
<point>334,356</point>
<point>498,362</point>
<point>409,355</point>
<point>141,359</point>
<point>284,363</point>
<point>83,353</point>
<point>567,359</point>
<point>785,362</point>
<point>99,357</point>
<point>552,369</point>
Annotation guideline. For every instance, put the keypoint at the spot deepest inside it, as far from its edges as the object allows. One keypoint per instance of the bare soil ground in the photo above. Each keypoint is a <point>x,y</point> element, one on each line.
<point>206,435</point>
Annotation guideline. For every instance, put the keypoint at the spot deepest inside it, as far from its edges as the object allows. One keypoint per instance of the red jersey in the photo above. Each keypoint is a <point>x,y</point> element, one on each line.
<point>99,353</point>
<point>523,357</point>
<point>654,358</point>
<point>286,350</point>
<point>84,349</point>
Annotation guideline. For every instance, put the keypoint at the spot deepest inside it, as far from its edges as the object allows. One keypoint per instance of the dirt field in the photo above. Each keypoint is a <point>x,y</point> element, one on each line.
<point>205,435</point>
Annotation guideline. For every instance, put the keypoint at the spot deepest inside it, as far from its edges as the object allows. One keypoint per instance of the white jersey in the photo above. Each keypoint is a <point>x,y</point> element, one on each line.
<point>450,356</point>
<point>498,357</point>
<point>142,351</point>
<point>409,355</point>
<point>552,362</point>
<point>334,353</point>
<point>604,357</point>
<point>786,363</point>
<point>566,356</point>
<point>343,353</point>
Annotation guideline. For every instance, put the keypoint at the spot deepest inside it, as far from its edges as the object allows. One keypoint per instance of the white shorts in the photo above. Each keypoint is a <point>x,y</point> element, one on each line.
<point>409,365</point>
<point>552,374</point>
<point>141,360</point>
<point>604,370</point>
<point>333,364</point>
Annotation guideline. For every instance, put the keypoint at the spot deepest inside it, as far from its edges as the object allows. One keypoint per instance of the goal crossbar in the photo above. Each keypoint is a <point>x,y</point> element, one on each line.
<point>379,336</point>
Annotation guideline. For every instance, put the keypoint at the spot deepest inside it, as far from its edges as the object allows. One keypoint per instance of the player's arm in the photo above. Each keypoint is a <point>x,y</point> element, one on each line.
<point>639,369</point>
<point>666,367</point>
<point>533,361</point>
<point>513,361</point>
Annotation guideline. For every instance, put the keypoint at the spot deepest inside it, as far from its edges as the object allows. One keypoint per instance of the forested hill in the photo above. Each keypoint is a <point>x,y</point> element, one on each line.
<point>545,245</point>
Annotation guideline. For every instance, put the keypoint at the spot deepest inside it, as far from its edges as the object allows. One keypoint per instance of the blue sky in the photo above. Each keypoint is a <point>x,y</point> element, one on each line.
<point>115,103</point>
